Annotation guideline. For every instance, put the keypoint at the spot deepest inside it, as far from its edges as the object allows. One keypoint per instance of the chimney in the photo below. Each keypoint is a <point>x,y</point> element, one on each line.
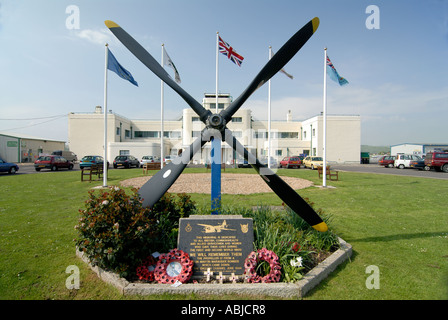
<point>289,116</point>
<point>98,109</point>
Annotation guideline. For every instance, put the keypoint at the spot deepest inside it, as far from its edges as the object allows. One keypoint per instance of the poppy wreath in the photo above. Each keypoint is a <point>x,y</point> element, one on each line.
<point>252,260</point>
<point>175,255</point>
<point>146,270</point>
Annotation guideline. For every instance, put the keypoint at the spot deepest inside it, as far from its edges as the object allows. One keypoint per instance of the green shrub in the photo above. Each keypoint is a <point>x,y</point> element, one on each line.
<point>117,233</point>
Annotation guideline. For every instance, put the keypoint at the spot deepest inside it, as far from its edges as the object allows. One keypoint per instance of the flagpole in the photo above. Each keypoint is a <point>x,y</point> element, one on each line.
<point>215,153</point>
<point>161,116</point>
<point>325,122</point>
<point>106,50</point>
<point>217,59</point>
<point>269,114</point>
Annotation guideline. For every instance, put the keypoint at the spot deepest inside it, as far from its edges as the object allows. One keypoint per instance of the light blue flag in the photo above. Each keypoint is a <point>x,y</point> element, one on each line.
<point>334,75</point>
<point>113,65</point>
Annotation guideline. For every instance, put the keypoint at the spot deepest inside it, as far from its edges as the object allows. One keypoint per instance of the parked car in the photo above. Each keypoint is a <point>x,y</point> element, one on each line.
<point>272,162</point>
<point>126,162</point>
<point>167,159</point>
<point>8,167</point>
<point>404,160</point>
<point>419,164</point>
<point>87,161</point>
<point>437,160</point>
<point>290,162</point>
<point>70,156</point>
<point>313,162</point>
<point>387,161</point>
<point>146,159</point>
<point>52,162</point>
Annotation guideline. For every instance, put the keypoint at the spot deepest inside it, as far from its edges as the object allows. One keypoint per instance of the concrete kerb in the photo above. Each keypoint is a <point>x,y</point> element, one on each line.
<point>282,290</point>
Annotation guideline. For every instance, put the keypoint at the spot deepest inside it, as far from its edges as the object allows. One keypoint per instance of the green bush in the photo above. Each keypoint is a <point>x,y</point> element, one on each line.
<point>117,233</point>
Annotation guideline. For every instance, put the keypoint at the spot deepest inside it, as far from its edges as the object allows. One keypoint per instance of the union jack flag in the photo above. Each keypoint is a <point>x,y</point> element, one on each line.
<point>228,51</point>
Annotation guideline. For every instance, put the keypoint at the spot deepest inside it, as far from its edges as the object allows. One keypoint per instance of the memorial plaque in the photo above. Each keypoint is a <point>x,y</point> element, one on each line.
<point>218,242</point>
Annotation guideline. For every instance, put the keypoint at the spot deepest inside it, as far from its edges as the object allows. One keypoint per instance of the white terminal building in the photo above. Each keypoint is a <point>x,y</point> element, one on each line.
<point>143,137</point>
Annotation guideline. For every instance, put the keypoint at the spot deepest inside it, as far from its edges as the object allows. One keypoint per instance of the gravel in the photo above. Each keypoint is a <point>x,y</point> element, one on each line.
<point>230,183</point>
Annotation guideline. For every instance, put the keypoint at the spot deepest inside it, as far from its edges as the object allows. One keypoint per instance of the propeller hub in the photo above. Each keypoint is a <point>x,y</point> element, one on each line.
<point>216,121</point>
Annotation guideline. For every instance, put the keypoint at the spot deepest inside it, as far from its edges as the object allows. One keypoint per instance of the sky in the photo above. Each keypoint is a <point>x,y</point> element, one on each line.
<point>394,57</point>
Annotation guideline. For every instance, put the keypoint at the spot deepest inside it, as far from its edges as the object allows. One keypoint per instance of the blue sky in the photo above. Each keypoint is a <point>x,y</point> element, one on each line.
<point>397,73</point>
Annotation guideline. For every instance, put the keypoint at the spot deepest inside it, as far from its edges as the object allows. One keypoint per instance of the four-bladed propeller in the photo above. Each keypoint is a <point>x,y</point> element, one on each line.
<point>154,189</point>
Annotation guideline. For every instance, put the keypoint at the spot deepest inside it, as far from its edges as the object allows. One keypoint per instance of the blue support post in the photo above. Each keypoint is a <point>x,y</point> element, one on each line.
<point>216,175</point>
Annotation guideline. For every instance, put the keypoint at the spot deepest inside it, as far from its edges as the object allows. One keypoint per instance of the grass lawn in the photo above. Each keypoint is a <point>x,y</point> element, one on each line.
<point>398,224</point>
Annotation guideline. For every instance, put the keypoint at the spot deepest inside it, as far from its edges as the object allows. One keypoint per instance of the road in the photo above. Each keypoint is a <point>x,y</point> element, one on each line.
<point>375,168</point>
<point>366,168</point>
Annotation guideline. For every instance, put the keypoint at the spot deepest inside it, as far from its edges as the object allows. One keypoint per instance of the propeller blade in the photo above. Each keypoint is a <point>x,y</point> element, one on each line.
<point>144,56</point>
<point>275,64</point>
<point>156,187</point>
<point>280,187</point>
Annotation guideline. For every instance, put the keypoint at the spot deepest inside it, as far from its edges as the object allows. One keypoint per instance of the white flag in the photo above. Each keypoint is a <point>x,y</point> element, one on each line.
<point>168,62</point>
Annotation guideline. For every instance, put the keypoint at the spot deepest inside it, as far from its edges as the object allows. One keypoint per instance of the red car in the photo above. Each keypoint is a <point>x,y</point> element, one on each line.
<point>290,162</point>
<point>387,161</point>
<point>437,160</point>
<point>52,162</point>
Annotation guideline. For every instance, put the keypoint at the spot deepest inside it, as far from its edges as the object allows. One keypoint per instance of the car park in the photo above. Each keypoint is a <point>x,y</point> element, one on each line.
<point>404,160</point>
<point>387,161</point>
<point>8,167</point>
<point>52,162</point>
<point>88,161</point>
<point>126,161</point>
<point>437,160</point>
<point>290,162</point>
<point>313,162</point>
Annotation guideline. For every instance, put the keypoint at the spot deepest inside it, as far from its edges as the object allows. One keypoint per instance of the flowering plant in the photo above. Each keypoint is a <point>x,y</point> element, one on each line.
<point>254,258</point>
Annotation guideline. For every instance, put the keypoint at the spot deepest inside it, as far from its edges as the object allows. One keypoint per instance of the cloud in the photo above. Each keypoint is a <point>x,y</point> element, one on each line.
<point>100,37</point>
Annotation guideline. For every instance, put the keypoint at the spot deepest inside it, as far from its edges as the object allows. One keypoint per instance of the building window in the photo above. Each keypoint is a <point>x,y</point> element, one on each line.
<point>124,152</point>
<point>195,134</point>
<point>127,133</point>
<point>194,119</point>
<point>260,135</point>
<point>213,105</point>
<point>237,119</point>
<point>118,131</point>
<point>146,134</point>
<point>304,135</point>
<point>279,152</point>
<point>314,132</point>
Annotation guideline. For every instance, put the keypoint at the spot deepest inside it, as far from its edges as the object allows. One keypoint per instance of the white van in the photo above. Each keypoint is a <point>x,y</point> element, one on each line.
<point>404,160</point>
<point>68,155</point>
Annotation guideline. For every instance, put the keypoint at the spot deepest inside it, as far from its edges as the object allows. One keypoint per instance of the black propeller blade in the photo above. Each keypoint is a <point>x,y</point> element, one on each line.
<point>274,65</point>
<point>154,189</point>
<point>155,67</point>
<point>280,187</point>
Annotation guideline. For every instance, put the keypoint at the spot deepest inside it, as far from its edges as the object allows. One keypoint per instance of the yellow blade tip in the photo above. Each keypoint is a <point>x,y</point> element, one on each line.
<point>315,23</point>
<point>322,227</point>
<point>111,24</point>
